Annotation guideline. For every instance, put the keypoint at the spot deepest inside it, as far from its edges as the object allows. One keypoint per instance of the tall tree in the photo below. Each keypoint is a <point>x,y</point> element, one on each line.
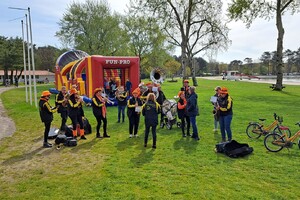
<point>248,10</point>
<point>91,27</point>
<point>297,60</point>
<point>290,59</point>
<point>46,57</point>
<point>147,41</point>
<point>194,26</point>
<point>11,56</point>
<point>249,62</point>
<point>266,60</point>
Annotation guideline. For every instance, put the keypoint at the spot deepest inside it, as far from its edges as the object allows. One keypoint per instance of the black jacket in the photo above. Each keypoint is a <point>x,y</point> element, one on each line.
<point>59,103</point>
<point>151,110</point>
<point>131,107</point>
<point>192,106</point>
<point>225,104</point>
<point>97,106</point>
<point>46,111</point>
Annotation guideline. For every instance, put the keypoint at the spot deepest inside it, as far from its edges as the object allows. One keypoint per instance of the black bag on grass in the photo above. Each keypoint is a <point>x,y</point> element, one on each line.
<point>60,139</point>
<point>234,149</point>
<point>87,126</point>
<point>70,142</point>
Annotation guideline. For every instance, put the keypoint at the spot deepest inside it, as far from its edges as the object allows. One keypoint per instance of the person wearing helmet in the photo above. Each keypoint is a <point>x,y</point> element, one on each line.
<point>46,115</point>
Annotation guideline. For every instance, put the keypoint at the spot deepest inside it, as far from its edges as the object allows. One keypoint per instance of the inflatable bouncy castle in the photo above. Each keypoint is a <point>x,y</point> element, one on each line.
<point>90,72</point>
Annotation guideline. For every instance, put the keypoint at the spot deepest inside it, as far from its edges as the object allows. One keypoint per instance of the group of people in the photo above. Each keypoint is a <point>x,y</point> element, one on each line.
<point>145,100</point>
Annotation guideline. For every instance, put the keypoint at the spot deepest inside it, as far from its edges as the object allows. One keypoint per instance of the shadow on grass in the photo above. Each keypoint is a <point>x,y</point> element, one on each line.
<point>186,143</point>
<point>123,145</point>
<point>143,158</point>
<point>28,156</point>
<point>86,145</point>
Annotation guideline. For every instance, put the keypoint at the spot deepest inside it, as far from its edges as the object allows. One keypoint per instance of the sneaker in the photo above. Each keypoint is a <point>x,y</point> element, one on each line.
<point>136,135</point>
<point>83,137</point>
<point>130,136</point>
<point>145,145</point>
<point>47,145</point>
<point>197,138</point>
<point>98,136</point>
<point>106,136</point>
<point>183,135</point>
<point>154,146</point>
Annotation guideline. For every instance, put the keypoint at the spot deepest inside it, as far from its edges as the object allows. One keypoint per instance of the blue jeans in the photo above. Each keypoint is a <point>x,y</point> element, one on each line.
<point>194,126</point>
<point>121,109</point>
<point>225,122</point>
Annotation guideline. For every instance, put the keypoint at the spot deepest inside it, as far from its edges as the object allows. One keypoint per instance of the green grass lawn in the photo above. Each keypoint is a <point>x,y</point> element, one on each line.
<point>180,168</point>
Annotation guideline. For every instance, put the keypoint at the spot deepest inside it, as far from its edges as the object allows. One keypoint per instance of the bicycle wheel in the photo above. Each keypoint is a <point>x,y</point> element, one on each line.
<point>283,131</point>
<point>253,130</point>
<point>274,142</point>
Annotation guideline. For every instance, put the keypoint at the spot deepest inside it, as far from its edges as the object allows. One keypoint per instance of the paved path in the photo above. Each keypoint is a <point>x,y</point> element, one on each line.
<point>7,125</point>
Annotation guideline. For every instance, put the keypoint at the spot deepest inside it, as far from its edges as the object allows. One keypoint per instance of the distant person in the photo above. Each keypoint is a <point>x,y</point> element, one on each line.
<point>61,102</point>
<point>134,105</point>
<point>186,88</point>
<point>121,96</point>
<point>16,81</point>
<point>150,111</point>
<point>99,111</point>
<point>160,99</point>
<point>225,104</point>
<point>182,114</point>
<point>128,87</point>
<point>46,115</point>
<point>216,113</point>
<point>192,111</point>
<point>75,112</point>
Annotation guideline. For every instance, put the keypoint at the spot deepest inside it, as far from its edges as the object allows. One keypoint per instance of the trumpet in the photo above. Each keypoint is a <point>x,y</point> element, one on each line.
<point>104,97</point>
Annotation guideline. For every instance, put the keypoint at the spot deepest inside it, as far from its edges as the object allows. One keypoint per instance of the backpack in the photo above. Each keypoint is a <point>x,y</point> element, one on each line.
<point>60,139</point>
<point>234,149</point>
<point>87,126</point>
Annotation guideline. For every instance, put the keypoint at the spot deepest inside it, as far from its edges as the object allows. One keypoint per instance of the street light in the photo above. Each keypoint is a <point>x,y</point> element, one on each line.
<point>32,56</point>
<point>24,58</point>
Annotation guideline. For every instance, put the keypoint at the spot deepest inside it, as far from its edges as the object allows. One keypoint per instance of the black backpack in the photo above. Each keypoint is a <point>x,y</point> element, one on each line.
<point>234,149</point>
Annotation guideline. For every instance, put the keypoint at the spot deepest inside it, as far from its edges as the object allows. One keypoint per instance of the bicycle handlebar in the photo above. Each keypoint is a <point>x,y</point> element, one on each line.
<point>298,123</point>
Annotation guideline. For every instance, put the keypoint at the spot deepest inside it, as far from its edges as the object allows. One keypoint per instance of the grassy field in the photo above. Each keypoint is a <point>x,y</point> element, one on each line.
<point>180,168</point>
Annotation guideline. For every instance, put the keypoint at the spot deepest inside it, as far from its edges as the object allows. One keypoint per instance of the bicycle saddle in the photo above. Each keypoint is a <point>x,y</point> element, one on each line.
<point>262,119</point>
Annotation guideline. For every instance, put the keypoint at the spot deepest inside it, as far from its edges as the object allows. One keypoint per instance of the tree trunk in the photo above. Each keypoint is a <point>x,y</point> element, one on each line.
<point>279,64</point>
<point>192,64</point>
<point>184,61</point>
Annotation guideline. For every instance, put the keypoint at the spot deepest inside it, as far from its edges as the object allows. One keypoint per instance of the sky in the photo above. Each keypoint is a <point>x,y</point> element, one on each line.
<point>45,15</point>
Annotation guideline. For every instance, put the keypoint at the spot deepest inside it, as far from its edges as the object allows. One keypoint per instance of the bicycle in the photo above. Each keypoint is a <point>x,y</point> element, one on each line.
<point>275,142</point>
<point>256,129</point>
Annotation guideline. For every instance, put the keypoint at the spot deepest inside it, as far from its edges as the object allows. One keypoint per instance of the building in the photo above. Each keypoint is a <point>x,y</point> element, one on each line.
<point>41,76</point>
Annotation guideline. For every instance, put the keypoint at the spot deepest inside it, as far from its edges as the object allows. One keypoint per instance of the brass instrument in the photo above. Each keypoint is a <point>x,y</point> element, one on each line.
<point>121,95</point>
<point>105,98</point>
<point>157,76</point>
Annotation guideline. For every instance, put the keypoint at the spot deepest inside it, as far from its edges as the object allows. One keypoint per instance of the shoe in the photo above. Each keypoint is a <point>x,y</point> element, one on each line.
<point>215,130</point>
<point>83,137</point>
<point>98,136</point>
<point>154,147</point>
<point>183,135</point>
<point>196,138</point>
<point>188,134</point>
<point>106,136</point>
<point>136,135</point>
<point>145,145</point>
<point>47,145</point>
<point>130,136</point>
<point>118,121</point>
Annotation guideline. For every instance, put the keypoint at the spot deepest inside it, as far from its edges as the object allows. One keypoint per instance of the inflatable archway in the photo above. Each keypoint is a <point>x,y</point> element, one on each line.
<point>90,72</point>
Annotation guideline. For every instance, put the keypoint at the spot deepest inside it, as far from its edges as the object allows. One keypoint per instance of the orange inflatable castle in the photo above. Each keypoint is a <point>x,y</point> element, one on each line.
<point>90,72</point>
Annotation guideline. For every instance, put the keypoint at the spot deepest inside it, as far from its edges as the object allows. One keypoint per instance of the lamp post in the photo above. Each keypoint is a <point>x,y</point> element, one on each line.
<point>32,55</point>
<point>24,58</point>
